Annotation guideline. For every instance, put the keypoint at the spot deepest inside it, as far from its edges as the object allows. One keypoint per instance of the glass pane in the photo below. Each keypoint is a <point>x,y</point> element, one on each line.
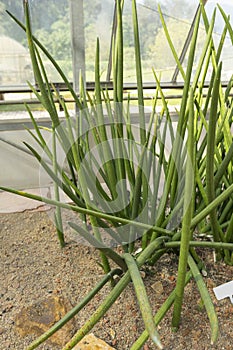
<point>155,50</point>
<point>98,18</point>
<point>50,20</point>
<point>227,52</point>
<point>51,25</point>
<point>15,66</point>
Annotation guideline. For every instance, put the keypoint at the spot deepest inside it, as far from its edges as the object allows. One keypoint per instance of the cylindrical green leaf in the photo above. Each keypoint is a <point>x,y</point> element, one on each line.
<point>143,300</point>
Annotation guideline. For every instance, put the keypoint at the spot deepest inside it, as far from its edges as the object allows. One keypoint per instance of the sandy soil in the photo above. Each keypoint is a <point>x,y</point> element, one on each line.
<point>33,266</point>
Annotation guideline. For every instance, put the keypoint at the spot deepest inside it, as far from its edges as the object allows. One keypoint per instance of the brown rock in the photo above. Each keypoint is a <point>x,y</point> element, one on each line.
<point>90,342</point>
<point>40,316</point>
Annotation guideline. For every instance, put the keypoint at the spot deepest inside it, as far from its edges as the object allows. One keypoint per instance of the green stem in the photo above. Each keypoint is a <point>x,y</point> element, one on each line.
<point>111,218</point>
<point>142,298</point>
<point>186,223</point>
<point>51,59</point>
<point>112,296</point>
<point>206,299</point>
<point>99,245</point>
<point>36,69</point>
<point>211,135</point>
<point>201,244</point>
<point>217,201</point>
<point>95,213</point>
<point>139,74</point>
<point>57,214</point>
<point>158,316</point>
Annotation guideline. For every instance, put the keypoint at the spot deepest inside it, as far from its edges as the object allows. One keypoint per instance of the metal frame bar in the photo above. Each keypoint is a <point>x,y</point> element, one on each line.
<point>90,86</point>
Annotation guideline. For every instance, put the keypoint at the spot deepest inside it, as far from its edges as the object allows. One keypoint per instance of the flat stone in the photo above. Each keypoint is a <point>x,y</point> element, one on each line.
<point>90,342</point>
<point>10,203</point>
<point>158,288</point>
<point>40,316</point>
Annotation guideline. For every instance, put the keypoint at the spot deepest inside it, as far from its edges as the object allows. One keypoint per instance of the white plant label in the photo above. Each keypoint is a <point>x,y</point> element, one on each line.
<point>224,290</point>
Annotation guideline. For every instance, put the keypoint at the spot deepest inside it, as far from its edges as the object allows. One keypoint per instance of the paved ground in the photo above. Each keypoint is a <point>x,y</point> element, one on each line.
<point>10,203</point>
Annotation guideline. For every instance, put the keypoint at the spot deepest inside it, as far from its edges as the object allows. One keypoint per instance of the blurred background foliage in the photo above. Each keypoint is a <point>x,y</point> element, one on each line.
<point>52,28</point>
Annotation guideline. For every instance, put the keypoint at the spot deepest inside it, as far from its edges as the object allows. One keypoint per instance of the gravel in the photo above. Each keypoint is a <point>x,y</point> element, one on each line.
<point>33,266</point>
